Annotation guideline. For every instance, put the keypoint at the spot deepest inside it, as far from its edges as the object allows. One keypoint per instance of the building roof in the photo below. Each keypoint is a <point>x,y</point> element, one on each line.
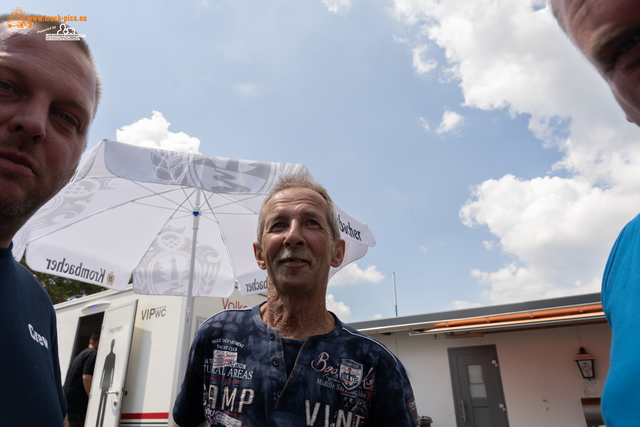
<point>577,309</point>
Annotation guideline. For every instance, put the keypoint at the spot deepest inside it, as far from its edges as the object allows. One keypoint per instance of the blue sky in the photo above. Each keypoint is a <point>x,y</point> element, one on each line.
<point>489,159</point>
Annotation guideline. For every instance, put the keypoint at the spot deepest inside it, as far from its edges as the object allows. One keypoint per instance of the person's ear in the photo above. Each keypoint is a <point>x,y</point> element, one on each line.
<point>338,253</point>
<point>257,252</point>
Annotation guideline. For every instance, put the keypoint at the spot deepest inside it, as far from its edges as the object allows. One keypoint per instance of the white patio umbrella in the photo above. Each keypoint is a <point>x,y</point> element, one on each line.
<point>182,224</point>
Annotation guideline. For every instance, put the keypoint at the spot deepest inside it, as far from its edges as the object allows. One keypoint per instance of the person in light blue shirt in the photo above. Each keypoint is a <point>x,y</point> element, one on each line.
<point>608,34</point>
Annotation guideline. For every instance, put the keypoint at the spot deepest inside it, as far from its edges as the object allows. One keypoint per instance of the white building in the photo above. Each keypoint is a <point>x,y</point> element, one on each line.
<point>505,365</point>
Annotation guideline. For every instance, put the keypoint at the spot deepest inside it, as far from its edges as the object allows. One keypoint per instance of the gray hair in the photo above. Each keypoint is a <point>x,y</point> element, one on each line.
<point>301,181</point>
<point>557,13</point>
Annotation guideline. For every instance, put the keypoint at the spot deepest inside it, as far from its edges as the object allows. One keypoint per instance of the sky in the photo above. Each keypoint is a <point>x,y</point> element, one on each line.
<point>486,154</point>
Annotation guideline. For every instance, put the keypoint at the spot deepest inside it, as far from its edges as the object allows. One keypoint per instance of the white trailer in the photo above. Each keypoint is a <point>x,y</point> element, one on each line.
<point>136,377</point>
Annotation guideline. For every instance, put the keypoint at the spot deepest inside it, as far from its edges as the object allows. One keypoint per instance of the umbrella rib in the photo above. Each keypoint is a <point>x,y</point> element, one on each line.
<point>222,234</point>
<point>236,202</point>
<point>224,239</point>
<point>112,207</point>
<point>188,196</point>
<point>160,230</point>
<point>231,202</point>
<point>159,194</point>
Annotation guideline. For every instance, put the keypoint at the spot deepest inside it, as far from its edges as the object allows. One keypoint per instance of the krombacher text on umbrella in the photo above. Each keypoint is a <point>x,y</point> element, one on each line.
<point>76,270</point>
<point>256,285</point>
<point>346,229</point>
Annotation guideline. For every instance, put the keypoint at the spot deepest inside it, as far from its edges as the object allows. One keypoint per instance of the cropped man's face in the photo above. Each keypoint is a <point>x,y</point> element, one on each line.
<point>608,32</point>
<point>47,91</point>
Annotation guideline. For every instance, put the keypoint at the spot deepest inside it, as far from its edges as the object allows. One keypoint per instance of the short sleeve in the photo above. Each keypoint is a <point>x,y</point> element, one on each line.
<point>395,403</point>
<point>89,363</point>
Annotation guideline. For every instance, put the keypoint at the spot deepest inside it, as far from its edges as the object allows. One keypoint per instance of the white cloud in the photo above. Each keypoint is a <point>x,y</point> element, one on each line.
<point>339,308</point>
<point>400,39</point>
<point>559,229</point>
<point>352,274</point>
<point>555,231</point>
<point>378,317</point>
<point>450,121</point>
<point>246,89</point>
<point>489,244</point>
<point>423,123</point>
<point>339,7</point>
<point>154,133</point>
<point>423,249</point>
<point>420,65</point>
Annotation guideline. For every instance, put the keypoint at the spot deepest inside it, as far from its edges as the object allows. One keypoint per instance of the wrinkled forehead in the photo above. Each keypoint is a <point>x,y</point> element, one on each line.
<point>30,41</point>
<point>593,23</point>
<point>295,198</point>
<point>572,13</point>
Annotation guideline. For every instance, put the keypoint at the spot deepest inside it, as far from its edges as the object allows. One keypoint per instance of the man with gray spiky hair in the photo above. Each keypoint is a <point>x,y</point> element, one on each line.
<point>608,34</point>
<point>290,361</point>
<point>48,98</point>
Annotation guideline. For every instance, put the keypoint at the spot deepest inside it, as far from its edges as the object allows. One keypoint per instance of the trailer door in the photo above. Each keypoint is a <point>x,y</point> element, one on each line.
<point>112,359</point>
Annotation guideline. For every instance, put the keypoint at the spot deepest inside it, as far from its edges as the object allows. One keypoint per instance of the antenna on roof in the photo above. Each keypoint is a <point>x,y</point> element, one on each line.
<point>395,299</point>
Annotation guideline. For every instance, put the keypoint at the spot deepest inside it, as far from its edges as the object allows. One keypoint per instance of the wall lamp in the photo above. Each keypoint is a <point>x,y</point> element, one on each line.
<point>586,364</point>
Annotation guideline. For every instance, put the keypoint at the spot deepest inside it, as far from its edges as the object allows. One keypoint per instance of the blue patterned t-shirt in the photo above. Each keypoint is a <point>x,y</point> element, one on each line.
<point>237,377</point>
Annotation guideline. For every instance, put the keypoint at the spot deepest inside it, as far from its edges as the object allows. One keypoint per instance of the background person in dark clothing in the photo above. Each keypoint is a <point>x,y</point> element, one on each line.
<point>77,385</point>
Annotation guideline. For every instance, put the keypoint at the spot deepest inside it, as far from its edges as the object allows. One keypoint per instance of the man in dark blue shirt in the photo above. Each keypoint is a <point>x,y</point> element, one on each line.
<point>48,98</point>
<point>290,361</point>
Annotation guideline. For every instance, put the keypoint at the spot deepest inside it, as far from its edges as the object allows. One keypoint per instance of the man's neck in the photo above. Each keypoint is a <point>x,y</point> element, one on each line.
<point>297,319</point>
<point>9,226</point>
<point>5,239</point>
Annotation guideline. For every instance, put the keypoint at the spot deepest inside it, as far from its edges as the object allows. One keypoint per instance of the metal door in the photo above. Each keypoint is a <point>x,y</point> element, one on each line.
<point>477,387</point>
<point>112,359</point>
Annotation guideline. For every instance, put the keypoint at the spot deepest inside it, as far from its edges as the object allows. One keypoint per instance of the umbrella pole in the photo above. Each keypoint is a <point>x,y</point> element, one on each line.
<point>188,319</point>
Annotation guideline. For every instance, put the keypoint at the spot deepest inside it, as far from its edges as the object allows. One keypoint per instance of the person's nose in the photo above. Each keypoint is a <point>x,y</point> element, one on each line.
<point>294,234</point>
<point>30,119</point>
